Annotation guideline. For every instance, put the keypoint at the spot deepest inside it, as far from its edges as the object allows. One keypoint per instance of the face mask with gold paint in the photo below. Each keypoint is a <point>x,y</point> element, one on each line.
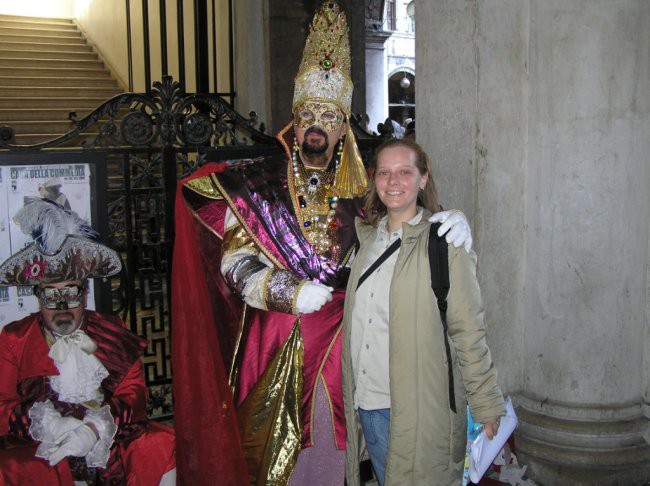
<point>326,115</point>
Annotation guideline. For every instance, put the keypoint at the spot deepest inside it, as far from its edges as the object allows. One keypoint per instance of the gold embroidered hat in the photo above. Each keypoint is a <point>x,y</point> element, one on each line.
<point>324,72</point>
<point>65,248</point>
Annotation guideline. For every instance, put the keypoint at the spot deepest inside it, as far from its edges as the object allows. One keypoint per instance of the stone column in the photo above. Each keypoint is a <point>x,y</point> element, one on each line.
<point>252,71</point>
<point>537,116</point>
<point>376,78</point>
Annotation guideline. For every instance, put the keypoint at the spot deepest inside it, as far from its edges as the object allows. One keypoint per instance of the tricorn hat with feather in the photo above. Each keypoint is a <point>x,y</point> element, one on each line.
<point>65,248</point>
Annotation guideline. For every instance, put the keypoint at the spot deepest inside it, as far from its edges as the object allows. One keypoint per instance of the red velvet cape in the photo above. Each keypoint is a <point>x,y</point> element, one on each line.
<point>208,447</point>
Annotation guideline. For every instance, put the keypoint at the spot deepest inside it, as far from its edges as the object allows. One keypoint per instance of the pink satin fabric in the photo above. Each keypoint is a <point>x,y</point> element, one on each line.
<point>322,344</point>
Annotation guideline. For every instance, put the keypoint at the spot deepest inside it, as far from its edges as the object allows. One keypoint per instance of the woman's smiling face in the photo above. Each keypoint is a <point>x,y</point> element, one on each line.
<point>398,180</point>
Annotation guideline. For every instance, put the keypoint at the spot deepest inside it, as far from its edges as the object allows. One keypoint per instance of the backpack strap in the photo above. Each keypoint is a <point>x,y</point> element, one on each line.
<point>382,258</point>
<point>439,263</point>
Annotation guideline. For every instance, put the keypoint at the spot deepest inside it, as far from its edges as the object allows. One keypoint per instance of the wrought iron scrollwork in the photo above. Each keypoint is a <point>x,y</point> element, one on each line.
<point>197,129</point>
<point>166,117</point>
<point>137,128</point>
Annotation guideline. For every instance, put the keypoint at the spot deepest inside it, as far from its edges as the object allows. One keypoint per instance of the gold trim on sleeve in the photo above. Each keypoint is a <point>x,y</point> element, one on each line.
<point>294,301</point>
<point>281,290</point>
<point>236,239</point>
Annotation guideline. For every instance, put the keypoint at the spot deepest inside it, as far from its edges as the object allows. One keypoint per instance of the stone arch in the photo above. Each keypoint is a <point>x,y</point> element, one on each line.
<point>401,94</point>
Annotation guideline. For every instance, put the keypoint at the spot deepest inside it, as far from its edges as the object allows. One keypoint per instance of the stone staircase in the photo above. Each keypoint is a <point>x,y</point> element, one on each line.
<point>47,70</point>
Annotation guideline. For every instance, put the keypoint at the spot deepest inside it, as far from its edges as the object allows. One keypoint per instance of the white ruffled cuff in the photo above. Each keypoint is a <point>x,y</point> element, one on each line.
<point>40,414</point>
<point>103,421</point>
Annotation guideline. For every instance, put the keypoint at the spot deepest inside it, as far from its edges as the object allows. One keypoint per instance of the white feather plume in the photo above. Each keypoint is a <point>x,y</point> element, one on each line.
<point>50,224</point>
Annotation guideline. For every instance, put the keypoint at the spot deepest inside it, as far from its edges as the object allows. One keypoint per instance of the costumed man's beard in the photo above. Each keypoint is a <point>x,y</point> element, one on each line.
<point>315,153</point>
<point>314,148</point>
<point>63,322</point>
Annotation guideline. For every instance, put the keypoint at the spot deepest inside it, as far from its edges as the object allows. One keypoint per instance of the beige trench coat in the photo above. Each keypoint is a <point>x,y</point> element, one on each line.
<point>427,440</point>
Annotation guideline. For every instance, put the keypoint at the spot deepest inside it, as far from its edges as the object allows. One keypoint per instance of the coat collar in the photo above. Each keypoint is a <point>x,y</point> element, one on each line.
<point>34,360</point>
<point>410,232</point>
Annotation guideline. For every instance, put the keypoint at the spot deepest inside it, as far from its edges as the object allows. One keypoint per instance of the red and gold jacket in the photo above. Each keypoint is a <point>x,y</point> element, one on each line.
<point>25,367</point>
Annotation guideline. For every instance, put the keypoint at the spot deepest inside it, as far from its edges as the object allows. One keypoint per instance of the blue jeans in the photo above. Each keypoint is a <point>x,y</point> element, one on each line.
<point>376,428</point>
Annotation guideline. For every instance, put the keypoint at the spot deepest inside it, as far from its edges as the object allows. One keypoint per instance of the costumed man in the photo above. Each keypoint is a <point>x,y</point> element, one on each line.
<point>72,391</point>
<point>260,268</point>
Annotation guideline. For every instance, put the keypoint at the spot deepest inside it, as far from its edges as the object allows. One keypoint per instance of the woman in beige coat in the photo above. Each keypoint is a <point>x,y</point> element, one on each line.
<point>406,381</point>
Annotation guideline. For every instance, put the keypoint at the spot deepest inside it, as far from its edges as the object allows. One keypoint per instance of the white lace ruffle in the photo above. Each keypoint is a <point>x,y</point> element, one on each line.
<point>80,377</point>
<point>41,414</point>
<point>103,421</point>
<point>47,425</point>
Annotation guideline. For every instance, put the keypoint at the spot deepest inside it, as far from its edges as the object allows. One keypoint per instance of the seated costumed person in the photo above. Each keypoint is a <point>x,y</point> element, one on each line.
<point>258,307</point>
<point>72,391</point>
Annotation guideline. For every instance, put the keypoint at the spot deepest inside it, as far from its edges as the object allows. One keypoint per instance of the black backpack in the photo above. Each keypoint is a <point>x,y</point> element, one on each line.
<point>439,263</point>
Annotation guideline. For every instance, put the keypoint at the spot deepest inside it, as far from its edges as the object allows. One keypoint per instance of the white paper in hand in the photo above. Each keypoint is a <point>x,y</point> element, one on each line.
<point>484,450</point>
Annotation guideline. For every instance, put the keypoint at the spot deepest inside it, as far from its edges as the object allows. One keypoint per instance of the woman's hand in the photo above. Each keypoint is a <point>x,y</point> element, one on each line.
<point>491,428</point>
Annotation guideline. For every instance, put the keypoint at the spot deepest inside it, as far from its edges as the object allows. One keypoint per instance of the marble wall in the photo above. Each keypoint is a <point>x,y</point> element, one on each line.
<point>538,122</point>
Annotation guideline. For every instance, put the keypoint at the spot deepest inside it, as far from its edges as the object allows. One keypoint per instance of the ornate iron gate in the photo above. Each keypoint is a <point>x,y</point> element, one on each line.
<point>147,142</point>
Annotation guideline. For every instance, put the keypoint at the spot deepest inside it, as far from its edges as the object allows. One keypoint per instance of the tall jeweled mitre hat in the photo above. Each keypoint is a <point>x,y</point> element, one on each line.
<point>65,248</point>
<point>324,75</point>
<point>324,72</point>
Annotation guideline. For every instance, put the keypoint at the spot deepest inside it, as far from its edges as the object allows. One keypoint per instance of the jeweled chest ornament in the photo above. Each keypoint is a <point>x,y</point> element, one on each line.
<point>316,206</point>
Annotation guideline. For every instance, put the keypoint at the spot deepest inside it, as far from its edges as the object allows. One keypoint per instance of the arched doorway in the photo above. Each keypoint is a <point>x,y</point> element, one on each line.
<point>401,96</point>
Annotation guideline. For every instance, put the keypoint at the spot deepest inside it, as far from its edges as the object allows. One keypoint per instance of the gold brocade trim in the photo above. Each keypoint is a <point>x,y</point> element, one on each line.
<point>236,239</point>
<point>261,247</point>
<point>204,187</point>
<point>280,138</point>
<point>319,374</point>
<point>281,291</point>
<point>269,418</point>
<point>348,255</point>
<point>265,284</point>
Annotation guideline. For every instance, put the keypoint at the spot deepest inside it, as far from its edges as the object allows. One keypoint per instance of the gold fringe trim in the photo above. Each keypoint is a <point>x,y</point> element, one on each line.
<point>351,178</point>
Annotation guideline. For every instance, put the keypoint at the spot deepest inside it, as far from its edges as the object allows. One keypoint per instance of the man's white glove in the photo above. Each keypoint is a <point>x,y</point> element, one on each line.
<point>62,425</point>
<point>312,296</point>
<point>455,224</point>
<point>47,425</point>
<point>77,442</point>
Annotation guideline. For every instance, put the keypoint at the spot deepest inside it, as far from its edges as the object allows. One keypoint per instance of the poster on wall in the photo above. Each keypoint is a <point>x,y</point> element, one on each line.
<point>5,244</point>
<point>66,184</point>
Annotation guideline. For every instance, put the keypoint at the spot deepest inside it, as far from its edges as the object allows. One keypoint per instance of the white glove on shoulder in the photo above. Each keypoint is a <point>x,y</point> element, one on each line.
<point>312,296</point>
<point>455,224</point>
<point>77,442</point>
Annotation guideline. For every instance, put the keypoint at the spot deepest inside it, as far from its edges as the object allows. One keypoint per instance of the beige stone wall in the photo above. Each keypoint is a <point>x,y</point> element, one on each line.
<point>104,23</point>
<point>63,9</point>
<point>536,113</point>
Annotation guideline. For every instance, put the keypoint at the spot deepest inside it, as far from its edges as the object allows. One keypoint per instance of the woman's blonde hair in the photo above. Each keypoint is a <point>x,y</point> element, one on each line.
<point>427,198</point>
